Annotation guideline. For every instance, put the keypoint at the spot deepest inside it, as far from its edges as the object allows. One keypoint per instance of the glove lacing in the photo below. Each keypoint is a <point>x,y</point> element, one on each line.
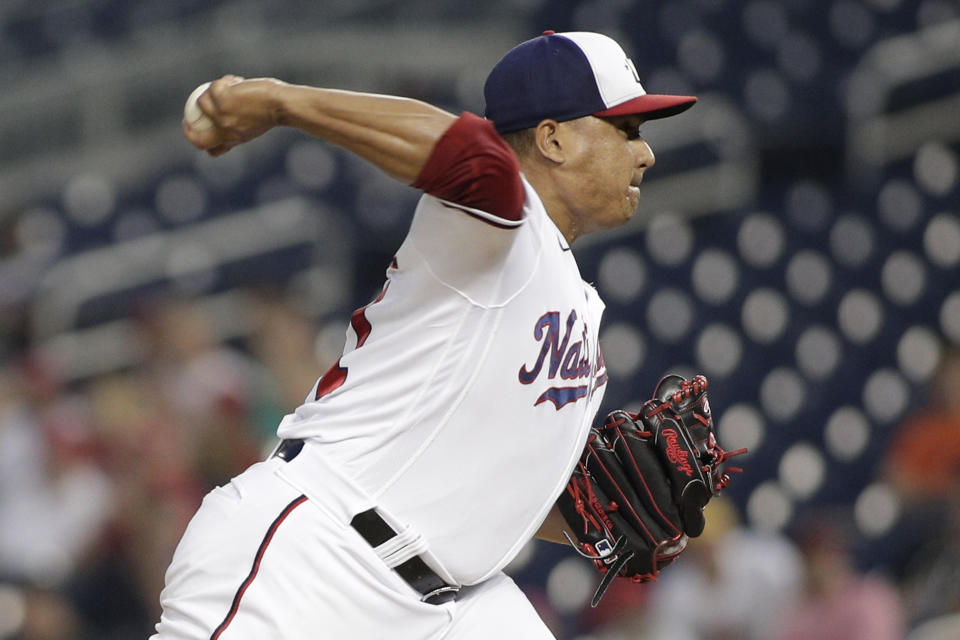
<point>720,478</point>
<point>583,494</point>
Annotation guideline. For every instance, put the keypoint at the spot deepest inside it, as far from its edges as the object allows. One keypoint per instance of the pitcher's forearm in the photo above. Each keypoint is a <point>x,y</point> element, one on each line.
<point>552,528</point>
<point>395,134</point>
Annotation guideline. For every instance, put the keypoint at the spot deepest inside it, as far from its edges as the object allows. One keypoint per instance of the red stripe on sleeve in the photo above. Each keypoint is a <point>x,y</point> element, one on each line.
<point>471,165</point>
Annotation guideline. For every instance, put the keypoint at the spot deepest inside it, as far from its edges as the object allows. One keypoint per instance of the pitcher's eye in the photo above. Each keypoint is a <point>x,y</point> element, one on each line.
<point>631,129</point>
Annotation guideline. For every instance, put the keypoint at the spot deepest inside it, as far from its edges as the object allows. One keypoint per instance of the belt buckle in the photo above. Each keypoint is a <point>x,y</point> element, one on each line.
<point>287,450</point>
<point>442,595</point>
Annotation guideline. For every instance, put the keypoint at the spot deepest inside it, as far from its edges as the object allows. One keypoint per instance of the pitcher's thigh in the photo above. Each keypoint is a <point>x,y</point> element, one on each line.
<point>260,561</point>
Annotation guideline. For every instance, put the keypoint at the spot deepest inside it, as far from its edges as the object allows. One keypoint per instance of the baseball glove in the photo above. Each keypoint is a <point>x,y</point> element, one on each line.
<point>639,489</point>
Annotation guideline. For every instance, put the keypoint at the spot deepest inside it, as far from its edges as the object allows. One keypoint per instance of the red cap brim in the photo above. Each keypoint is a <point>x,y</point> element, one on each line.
<point>652,106</point>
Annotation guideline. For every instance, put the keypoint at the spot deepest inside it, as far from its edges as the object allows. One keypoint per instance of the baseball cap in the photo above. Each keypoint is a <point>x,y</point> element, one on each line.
<point>569,75</point>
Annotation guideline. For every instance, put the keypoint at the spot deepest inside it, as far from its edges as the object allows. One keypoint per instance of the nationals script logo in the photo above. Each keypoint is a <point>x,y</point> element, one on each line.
<point>571,361</point>
<point>676,454</point>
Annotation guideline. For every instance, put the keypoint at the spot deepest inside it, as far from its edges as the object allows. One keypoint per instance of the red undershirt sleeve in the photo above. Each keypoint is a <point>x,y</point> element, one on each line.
<point>472,166</point>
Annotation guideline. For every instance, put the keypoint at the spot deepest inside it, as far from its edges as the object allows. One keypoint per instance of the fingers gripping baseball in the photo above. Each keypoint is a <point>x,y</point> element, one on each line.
<point>231,111</point>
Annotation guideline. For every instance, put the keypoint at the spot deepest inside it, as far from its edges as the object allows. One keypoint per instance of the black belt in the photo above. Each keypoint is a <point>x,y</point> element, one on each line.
<point>376,531</point>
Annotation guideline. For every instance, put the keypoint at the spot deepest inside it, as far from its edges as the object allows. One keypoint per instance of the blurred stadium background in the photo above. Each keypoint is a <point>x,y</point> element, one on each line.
<point>160,310</point>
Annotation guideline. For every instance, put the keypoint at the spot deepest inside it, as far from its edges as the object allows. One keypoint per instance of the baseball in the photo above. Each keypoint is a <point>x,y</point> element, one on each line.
<point>196,119</point>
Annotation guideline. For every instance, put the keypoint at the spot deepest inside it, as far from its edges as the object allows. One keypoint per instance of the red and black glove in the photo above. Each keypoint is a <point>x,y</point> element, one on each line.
<point>640,486</point>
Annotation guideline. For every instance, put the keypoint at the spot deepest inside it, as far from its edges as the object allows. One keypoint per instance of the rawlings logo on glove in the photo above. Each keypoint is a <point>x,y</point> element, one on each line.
<point>641,484</point>
<point>677,455</point>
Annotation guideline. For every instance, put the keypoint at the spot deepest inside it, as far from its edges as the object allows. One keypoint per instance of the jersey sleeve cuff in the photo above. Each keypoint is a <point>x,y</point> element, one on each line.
<point>472,166</point>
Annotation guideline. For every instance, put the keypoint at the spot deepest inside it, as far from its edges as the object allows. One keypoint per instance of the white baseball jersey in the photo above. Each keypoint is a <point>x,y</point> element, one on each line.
<point>466,389</point>
<point>459,407</point>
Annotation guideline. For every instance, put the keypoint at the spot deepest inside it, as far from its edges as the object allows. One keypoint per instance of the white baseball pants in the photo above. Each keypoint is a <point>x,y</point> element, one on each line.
<point>268,557</point>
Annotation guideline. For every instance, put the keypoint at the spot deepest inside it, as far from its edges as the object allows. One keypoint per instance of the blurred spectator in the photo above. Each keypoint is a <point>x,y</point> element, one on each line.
<point>923,466</point>
<point>207,387</point>
<point>54,498</point>
<point>923,463</point>
<point>838,602</point>
<point>151,460</point>
<point>931,575</point>
<point>283,344</point>
<point>99,480</point>
<point>731,583</point>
